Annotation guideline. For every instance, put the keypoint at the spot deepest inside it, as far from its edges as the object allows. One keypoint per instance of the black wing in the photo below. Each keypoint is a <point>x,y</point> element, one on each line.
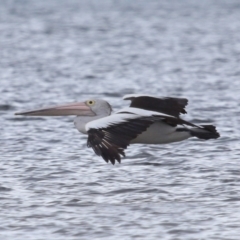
<point>168,105</point>
<point>110,142</point>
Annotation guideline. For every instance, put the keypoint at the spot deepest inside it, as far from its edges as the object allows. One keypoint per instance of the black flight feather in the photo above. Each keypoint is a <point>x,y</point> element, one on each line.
<point>169,105</point>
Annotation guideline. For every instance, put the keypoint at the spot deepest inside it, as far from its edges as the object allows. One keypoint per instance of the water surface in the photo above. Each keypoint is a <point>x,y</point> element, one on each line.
<point>52,186</point>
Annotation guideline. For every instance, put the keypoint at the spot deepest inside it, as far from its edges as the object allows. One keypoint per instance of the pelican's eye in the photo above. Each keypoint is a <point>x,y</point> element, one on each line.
<point>90,102</point>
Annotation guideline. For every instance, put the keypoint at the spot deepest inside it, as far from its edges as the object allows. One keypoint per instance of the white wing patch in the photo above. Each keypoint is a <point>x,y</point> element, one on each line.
<point>122,116</point>
<point>110,120</point>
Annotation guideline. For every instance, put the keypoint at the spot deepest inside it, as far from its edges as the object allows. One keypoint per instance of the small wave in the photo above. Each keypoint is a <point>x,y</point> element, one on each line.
<point>6,107</point>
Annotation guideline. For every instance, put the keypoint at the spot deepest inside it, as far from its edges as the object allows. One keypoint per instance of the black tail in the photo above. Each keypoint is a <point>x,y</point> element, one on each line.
<point>205,132</point>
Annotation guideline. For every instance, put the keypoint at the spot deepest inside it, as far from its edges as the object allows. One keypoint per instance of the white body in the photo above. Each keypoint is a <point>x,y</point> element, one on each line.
<point>158,133</point>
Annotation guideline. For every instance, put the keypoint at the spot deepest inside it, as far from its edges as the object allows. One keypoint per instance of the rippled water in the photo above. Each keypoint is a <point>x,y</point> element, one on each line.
<point>52,186</point>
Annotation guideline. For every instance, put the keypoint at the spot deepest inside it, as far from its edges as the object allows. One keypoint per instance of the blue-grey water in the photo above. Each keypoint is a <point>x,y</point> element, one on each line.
<point>57,51</point>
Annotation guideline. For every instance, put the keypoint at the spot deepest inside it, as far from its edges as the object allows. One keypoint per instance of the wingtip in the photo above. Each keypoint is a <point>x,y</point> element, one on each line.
<point>112,161</point>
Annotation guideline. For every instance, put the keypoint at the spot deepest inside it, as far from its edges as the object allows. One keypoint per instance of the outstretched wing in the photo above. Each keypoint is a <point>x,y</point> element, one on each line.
<point>110,136</point>
<point>167,105</point>
<point>110,141</point>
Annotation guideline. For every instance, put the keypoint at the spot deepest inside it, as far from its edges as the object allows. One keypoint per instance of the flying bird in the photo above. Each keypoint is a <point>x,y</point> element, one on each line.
<point>148,120</point>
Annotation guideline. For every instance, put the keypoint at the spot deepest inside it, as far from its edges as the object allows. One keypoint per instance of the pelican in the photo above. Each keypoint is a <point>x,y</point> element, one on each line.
<point>148,120</point>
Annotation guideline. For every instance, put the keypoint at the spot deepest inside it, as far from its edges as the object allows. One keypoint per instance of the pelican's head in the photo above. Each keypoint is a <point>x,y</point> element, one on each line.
<point>92,107</point>
<point>99,107</point>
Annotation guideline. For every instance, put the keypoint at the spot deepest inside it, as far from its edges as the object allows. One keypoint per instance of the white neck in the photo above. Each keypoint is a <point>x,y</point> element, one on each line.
<point>81,121</point>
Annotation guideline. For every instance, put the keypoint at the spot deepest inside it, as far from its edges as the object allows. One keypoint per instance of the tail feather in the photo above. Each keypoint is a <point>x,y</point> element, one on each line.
<point>205,132</point>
